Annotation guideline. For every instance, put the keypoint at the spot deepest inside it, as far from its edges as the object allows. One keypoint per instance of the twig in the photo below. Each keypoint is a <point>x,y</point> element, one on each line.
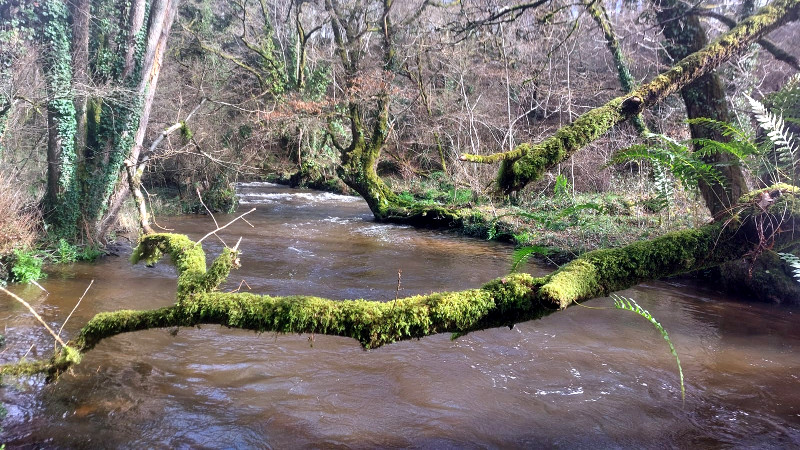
<point>397,291</point>
<point>243,282</point>
<point>200,198</point>
<point>76,307</point>
<point>33,282</point>
<point>155,222</point>
<point>29,350</point>
<point>225,226</point>
<point>35,314</point>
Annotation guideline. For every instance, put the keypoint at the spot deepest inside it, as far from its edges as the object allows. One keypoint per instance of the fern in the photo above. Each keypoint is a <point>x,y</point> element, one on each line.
<point>785,147</point>
<point>794,263</point>
<point>629,304</point>
<point>670,157</point>
<point>522,254</point>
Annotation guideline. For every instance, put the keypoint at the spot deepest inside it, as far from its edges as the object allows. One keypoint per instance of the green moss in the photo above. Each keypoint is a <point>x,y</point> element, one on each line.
<point>535,160</point>
<point>189,259</point>
<point>371,323</point>
<point>504,301</point>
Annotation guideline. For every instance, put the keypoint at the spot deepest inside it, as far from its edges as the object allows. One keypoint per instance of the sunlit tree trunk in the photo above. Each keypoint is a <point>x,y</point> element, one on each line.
<point>85,156</point>
<point>161,20</point>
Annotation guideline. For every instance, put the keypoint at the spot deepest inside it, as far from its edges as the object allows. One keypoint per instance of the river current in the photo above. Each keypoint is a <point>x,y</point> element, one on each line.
<point>580,378</point>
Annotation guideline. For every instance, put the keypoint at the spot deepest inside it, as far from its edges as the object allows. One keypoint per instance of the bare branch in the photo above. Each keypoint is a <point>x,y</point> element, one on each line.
<point>225,226</point>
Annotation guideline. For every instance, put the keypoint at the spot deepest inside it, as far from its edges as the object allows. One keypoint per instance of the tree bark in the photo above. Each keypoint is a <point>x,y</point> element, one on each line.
<point>158,33</point>
<point>704,97</point>
<point>528,162</point>
<point>81,12</point>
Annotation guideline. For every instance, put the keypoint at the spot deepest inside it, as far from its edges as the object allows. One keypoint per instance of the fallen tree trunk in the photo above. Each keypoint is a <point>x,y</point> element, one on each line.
<point>528,162</point>
<point>763,219</point>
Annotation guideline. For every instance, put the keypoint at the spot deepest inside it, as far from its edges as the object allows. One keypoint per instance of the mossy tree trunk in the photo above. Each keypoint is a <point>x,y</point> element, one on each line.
<point>600,16</point>
<point>704,97</point>
<point>762,220</point>
<point>89,138</point>
<point>359,159</point>
<point>528,162</point>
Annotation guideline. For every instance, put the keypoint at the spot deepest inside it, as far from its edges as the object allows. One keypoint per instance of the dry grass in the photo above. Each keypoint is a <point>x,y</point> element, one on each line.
<point>18,221</point>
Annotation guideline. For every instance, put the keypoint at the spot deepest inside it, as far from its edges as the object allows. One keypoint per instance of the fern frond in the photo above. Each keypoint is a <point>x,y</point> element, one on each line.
<point>522,254</point>
<point>777,132</point>
<point>794,263</point>
<point>740,150</point>
<point>726,129</point>
<point>629,304</point>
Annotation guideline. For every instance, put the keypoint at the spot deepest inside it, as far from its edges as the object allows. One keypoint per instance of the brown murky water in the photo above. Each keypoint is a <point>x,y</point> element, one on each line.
<point>579,378</point>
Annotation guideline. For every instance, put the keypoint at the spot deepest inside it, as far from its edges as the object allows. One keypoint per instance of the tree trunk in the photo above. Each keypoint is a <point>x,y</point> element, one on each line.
<point>81,12</point>
<point>158,33</point>
<point>60,202</point>
<point>528,162</point>
<point>600,16</point>
<point>704,97</point>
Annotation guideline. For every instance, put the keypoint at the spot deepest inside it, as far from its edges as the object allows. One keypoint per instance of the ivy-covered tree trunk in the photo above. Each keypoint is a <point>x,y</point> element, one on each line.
<point>704,97</point>
<point>89,138</point>
<point>61,197</point>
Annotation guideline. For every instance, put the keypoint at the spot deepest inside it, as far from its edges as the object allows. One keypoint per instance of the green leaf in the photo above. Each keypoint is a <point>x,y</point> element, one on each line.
<point>522,254</point>
<point>630,304</point>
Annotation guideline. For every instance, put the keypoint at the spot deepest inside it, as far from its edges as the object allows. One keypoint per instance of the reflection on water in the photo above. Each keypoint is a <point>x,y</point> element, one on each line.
<point>579,378</point>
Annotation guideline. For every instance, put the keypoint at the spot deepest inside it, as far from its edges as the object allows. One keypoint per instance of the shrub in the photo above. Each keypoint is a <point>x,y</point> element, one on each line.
<point>17,222</point>
<point>25,267</point>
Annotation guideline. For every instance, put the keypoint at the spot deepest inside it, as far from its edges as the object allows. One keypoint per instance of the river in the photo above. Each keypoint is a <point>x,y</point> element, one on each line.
<point>581,378</point>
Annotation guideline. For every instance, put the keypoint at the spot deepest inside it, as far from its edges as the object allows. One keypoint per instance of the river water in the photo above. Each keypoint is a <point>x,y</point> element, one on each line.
<point>579,378</point>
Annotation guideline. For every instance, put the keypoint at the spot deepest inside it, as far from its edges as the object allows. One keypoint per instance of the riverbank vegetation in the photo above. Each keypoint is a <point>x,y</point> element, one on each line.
<point>507,123</point>
<point>500,302</point>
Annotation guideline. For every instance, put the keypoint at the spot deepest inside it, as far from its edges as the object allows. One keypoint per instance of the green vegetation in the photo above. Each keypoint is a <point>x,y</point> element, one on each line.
<point>629,304</point>
<point>219,197</point>
<point>794,263</point>
<point>437,189</point>
<point>26,267</point>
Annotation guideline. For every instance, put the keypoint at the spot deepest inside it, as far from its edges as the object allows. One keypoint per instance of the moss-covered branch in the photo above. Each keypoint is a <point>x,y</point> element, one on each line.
<point>764,219</point>
<point>771,47</point>
<point>528,162</point>
<point>189,259</point>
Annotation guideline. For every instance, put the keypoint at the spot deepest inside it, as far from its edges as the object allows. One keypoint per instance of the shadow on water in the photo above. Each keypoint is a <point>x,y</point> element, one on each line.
<point>579,378</point>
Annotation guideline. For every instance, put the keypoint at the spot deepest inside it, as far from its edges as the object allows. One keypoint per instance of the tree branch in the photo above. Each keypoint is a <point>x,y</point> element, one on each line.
<point>763,219</point>
<point>528,162</point>
<point>771,47</point>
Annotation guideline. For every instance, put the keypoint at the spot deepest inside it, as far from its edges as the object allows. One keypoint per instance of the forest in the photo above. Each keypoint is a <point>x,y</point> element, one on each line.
<point>611,142</point>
